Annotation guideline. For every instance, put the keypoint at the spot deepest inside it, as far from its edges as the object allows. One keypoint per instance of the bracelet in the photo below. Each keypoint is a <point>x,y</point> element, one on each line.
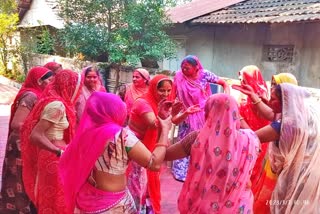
<point>241,118</point>
<point>256,102</point>
<point>148,166</point>
<point>161,144</point>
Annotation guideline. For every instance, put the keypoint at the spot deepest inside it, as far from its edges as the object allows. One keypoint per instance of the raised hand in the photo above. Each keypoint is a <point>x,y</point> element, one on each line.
<point>244,88</point>
<point>177,107</point>
<point>165,124</point>
<point>193,109</point>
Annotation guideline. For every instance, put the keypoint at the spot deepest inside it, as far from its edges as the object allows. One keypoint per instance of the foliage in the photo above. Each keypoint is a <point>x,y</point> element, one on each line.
<point>87,39</point>
<point>45,42</point>
<point>127,30</point>
<point>8,26</point>
<point>8,6</point>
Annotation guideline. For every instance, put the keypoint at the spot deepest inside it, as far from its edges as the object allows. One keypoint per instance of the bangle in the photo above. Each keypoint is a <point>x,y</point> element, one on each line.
<point>241,118</point>
<point>161,144</point>
<point>148,166</point>
<point>256,102</point>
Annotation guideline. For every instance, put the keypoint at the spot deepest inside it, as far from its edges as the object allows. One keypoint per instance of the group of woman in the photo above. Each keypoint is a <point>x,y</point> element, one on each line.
<point>42,123</point>
<point>287,126</point>
<point>78,154</point>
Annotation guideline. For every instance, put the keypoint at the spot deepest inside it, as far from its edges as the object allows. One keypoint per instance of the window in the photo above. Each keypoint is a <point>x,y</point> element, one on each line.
<point>278,53</point>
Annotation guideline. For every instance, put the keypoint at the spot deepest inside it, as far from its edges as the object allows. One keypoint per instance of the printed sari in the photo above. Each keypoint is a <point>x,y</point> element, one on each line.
<point>191,92</point>
<point>40,167</point>
<point>13,196</point>
<point>221,162</point>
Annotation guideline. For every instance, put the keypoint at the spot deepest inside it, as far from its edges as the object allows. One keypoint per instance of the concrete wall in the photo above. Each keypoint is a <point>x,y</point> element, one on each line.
<point>225,49</point>
<point>109,73</point>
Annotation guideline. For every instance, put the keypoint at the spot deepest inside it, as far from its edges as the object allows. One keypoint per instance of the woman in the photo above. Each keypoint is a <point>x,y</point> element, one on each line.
<point>260,103</point>
<point>13,197</point>
<point>94,164</point>
<point>54,67</point>
<point>92,82</point>
<point>45,134</point>
<point>222,157</point>
<point>295,154</point>
<point>139,86</point>
<point>249,116</point>
<point>191,84</point>
<point>137,177</point>
<point>143,122</point>
<point>264,183</point>
<point>283,78</point>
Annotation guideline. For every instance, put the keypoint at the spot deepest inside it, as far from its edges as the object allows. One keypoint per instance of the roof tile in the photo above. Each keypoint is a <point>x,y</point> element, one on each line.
<point>264,11</point>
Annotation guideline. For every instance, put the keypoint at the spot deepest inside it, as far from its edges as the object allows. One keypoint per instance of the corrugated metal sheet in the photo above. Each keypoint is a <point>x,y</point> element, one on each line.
<point>264,11</point>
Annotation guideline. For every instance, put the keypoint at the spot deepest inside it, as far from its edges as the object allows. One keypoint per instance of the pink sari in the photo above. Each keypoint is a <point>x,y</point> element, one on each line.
<point>221,162</point>
<point>86,92</point>
<point>99,124</point>
<point>192,92</point>
<point>133,93</point>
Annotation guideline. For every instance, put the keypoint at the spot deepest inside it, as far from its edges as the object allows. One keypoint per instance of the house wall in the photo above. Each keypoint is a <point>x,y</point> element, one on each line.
<point>225,49</point>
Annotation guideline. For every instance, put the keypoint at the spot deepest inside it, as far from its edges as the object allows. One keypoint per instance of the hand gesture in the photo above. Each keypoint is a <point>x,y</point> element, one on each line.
<point>177,107</point>
<point>244,88</point>
<point>164,108</point>
<point>165,124</point>
<point>193,109</point>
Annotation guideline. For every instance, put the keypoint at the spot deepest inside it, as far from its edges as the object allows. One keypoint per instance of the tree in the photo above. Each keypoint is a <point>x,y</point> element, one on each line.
<point>45,42</point>
<point>125,30</point>
<point>8,25</point>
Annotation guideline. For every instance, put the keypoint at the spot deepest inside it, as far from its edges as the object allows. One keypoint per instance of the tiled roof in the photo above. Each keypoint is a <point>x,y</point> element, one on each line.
<point>264,11</point>
<point>197,8</point>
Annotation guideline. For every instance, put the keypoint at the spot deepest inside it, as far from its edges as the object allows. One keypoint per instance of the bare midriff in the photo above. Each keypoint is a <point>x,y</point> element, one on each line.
<point>109,182</point>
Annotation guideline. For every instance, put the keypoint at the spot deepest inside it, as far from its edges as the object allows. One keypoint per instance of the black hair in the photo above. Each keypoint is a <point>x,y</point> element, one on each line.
<point>160,84</point>
<point>47,75</point>
<point>189,59</point>
<point>89,69</point>
<point>278,91</point>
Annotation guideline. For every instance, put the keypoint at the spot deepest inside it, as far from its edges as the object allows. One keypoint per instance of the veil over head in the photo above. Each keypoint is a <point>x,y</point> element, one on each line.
<point>104,116</point>
<point>221,161</point>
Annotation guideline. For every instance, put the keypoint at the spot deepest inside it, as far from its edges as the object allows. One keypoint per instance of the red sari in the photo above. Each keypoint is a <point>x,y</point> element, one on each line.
<point>13,196</point>
<point>40,167</point>
<point>253,77</point>
<point>150,139</point>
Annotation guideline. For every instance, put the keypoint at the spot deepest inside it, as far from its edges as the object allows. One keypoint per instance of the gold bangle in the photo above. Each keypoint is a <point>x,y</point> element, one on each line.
<point>258,101</point>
